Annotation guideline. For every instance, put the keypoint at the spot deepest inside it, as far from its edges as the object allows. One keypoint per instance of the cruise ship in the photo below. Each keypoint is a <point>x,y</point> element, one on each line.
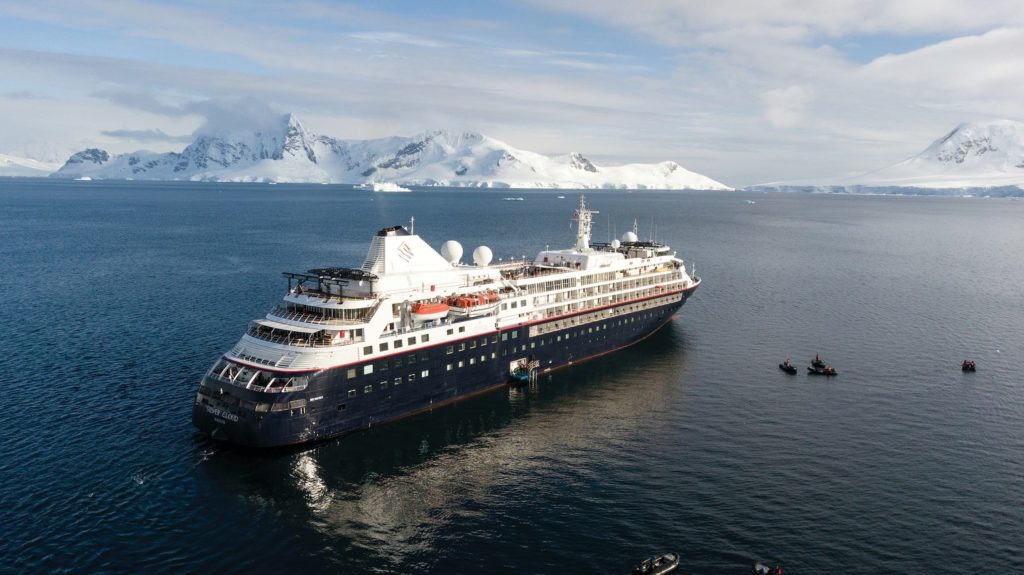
<point>413,329</point>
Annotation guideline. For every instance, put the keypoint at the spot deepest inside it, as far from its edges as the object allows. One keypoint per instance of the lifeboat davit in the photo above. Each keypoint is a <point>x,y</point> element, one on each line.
<point>429,310</point>
<point>474,305</point>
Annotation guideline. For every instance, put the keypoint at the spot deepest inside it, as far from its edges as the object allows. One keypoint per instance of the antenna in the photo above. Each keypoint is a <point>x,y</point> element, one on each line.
<point>583,216</point>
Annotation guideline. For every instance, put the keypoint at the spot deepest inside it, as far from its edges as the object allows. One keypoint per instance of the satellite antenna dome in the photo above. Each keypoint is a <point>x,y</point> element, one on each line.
<point>629,237</point>
<point>451,251</point>
<point>615,244</point>
<point>482,256</point>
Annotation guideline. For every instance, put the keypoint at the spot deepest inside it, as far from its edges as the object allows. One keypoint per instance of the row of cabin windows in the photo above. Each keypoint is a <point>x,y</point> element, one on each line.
<point>387,364</point>
<point>462,329</point>
<point>561,324</point>
<point>513,304</point>
<point>533,345</point>
<point>548,341</point>
<point>398,343</point>
<point>395,382</point>
<point>579,333</point>
<point>472,344</point>
<point>471,361</point>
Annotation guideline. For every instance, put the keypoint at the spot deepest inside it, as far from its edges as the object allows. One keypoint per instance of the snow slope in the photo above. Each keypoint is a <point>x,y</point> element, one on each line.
<point>972,155</point>
<point>290,153</point>
<point>978,155</point>
<point>16,166</point>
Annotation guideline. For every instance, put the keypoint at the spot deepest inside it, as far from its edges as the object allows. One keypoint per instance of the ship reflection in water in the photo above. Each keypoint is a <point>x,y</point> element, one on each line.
<point>388,494</point>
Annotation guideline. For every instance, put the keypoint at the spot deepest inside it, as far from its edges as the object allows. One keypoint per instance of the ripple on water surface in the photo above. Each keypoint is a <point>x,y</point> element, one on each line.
<point>693,440</point>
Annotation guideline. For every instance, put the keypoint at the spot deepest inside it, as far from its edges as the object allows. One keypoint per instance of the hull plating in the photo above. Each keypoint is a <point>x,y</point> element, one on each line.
<point>348,398</point>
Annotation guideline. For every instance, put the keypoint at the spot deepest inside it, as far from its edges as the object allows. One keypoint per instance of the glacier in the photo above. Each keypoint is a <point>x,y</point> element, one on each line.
<point>291,153</point>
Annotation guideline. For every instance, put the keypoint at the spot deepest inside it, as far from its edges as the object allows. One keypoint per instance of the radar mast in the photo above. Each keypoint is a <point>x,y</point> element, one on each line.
<point>585,222</point>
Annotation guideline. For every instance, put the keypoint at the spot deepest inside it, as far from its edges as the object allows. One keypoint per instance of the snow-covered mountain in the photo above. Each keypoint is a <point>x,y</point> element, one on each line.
<point>290,153</point>
<point>18,166</point>
<point>972,155</point>
<point>978,155</point>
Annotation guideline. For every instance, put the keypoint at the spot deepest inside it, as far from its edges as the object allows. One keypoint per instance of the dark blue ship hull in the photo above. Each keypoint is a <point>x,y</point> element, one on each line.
<point>344,399</point>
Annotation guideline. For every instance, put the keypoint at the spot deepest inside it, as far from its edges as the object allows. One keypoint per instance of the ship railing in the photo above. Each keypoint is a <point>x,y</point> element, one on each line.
<point>530,270</point>
<point>328,296</point>
<point>314,340</point>
<point>283,312</point>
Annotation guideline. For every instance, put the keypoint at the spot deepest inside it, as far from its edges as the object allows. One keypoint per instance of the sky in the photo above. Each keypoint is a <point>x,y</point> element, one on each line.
<point>742,91</point>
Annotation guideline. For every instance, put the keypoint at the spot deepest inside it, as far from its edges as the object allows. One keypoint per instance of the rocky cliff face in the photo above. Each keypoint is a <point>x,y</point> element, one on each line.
<point>992,145</point>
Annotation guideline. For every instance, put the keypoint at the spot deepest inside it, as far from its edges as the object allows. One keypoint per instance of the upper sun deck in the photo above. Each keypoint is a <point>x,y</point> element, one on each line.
<point>400,265</point>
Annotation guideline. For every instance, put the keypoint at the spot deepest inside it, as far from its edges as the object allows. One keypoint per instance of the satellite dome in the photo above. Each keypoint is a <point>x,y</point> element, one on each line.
<point>482,256</point>
<point>629,237</point>
<point>451,250</point>
<point>615,244</point>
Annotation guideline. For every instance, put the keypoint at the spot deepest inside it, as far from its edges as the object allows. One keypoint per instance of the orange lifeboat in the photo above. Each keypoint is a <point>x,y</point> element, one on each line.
<point>473,305</point>
<point>429,310</point>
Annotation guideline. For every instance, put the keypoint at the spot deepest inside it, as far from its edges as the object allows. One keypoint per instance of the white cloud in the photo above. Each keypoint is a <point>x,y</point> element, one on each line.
<point>671,21</point>
<point>736,89</point>
<point>965,69</point>
<point>146,136</point>
<point>784,107</point>
<point>395,38</point>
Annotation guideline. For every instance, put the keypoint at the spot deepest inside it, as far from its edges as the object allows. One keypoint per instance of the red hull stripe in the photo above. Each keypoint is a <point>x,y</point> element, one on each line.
<point>488,389</point>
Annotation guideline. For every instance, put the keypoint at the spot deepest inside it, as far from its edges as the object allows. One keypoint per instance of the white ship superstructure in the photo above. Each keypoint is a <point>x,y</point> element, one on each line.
<point>414,318</point>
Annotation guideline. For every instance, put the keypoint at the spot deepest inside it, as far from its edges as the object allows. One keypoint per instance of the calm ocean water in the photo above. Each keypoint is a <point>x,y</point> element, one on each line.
<point>118,296</point>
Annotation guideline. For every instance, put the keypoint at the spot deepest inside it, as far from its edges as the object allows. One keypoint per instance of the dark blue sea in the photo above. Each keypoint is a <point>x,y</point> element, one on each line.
<point>116,297</point>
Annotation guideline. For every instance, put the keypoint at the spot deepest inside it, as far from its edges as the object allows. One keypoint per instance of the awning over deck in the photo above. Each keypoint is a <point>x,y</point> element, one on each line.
<point>286,326</point>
